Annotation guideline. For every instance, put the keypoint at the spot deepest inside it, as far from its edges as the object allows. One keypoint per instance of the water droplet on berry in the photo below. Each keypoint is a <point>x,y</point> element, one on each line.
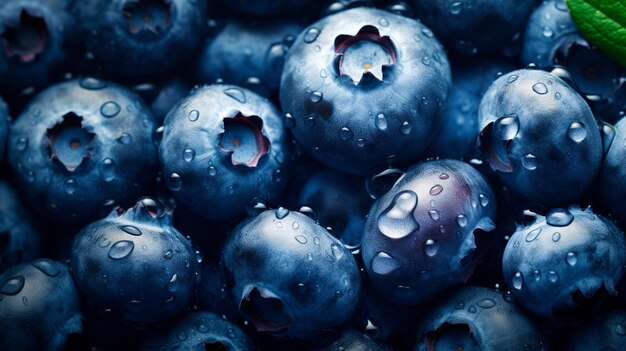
<point>121,249</point>
<point>435,190</point>
<point>571,258</point>
<point>484,200</point>
<point>92,83</point>
<point>316,96</point>
<point>345,134</point>
<point>189,154</point>
<point>383,263</point>
<point>290,122</point>
<point>236,94</point>
<point>540,88</point>
<point>559,217</point>
<point>70,186</point>
<point>577,132</point>
<point>311,35</point>
<point>533,234</point>
<point>381,122</point>
<point>397,221</point>
<point>486,303</point>
<point>461,220</point>
<point>518,280</point>
<point>430,248</point>
<point>556,236</point>
<point>22,143</point>
<point>107,169</point>
<point>301,239</point>
<point>507,127</point>
<point>193,115</point>
<point>168,254</point>
<point>281,212</point>
<point>553,276</point>
<point>547,32</point>
<point>131,229</point>
<point>125,138</point>
<point>434,215</point>
<point>512,78</point>
<point>47,267</point>
<point>173,285</point>
<point>456,7</point>
<point>175,182</point>
<point>12,285</point>
<point>110,109</point>
<point>529,161</point>
<point>383,22</point>
<point>405,128</point>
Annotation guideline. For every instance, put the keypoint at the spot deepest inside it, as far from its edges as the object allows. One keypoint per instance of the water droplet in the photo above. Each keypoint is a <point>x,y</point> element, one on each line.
<point>12,285</point>
<point>571,258</point>
<point>172,285</point>
<point>107,169</point>
<point>360,142</point>
<point>383,263</point>
<point>281,212</point>
<point>518,280</point>
<point>168,254</point>
<point>426,61</point>
<point>430,248</point>
<point>345,134</point>
<point>444,176</point>
<point>110,109</point>
<point>316,96</point>
<point>92,83</point>
<point>435,190</point>
<point>434,215</point>
<point>212,171</point>
<point>193,115</point>
<point>121,249</point>
<point>486,303</point>
<point>456,7</point>
<point>529,162</point>
<point>559,217</point>
<point>397,221</point>
<point>540,88</point>
<point>461,220</point>
<point>125,138</point>
<point>577,132</point>
<point>533,234</point>
<point>383,22</point>
<point>290,122</point>
<point>70,186</point>
<point>311,35</point>
<point>507,127</point>
<point>556,236</point>
<point>310,121</point>
<point>175,182</point>
<point>512,78</point>
<point>381,122</point>
<point>484,200</point>
<point>189,154</point>
<point>301,239</point>
<point>236,94</point>
<point>131,229</point>
<point>22,143</point>
<point>553,276</point>
<point>405,128</point>
<point>472,309</point>
<point>323,73</point>
<point>557,96</point>
<point>619,329</point>
<point>47,267</point>
<point>427,32</point>
<point>547,32</point>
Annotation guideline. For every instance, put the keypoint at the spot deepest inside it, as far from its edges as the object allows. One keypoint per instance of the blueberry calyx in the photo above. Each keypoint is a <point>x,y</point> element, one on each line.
<point>148,16</point>
<point>69,142</point>
<point>145,210</point>
<point>243,140</point>
<point>495,140</point>
<point>265,310</point>
<point>364,57</point>
<point>27,38</point>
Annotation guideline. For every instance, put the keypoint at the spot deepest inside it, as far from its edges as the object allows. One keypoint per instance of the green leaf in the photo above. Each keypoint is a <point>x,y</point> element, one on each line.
<point>603,24</point>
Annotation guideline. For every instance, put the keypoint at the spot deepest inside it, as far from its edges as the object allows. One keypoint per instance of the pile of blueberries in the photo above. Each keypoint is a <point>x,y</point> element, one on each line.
<point>309,175</point>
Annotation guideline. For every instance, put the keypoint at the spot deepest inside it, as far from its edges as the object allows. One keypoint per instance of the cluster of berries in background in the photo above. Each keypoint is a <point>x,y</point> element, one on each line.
<point>309,175</point>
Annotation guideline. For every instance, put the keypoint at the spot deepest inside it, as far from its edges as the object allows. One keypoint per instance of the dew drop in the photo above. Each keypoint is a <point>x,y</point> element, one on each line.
<point>281,213</point>
<point>301,239</point>
<point>553,276</point>
<point>360,142</point>
<point>537,275</point>
<point>173,285</point>
<point>345,134</point>
<point>559,217</point>
<point>311,35</point>
<point>556,236</point>
<point>557,96</point>
<point>189,154</point>
<point>405,128</point>
<point>47,267</point>
<point>434,215</point>
<point>212,171</point>
<point>619,329</point>
<point>316,96</point>
<point>397,221</point>
<point>381,122</point>
<point>533,234</point>
<point>168,254</point>
<point>507,127</point>
<point>577,132</point>
<point>383,263</point>
<point>110,109</point>
<point>107,169</point>
<point>486,303</point>
<point>547,32</point>
<point>472,309</point>
<point>529,161</point>
<point>175,182</point>
<point>430,248</point>
<point>295,225</point>
<point>512,78</point>
<point>131,229</point>
<point>444,176</point>
<point>484,200</point>
<point>22,143</point>
<point>12,285</point>
<point>121,249</point>
<point>236,94</point>
<point>290,122</point>
<point>92,83</point>
<point>518,281</point>
<point>540,88</point>
<point>193,115</point>
<point>571,258</point>
<point>125,138</point>
<point>461,220</point>
<point>456,7</point>
<point>383,22</point>
<point>70,186</point>
<point>435,190</point>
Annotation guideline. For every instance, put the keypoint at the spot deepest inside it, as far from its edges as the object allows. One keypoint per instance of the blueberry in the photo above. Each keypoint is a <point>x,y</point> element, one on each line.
<point>419,237</point>
<point>477,318</point>
<point>283,269</point>
<point>352,340</point>
<point>263,7</point>
<point>340,202</point>
<point>248,53</point>
<point>459,124</point>
<point>222,147</point>
<point>4,127</point>
<point>34,40</point>
<point>80,148</point>
<point>140,38</point>
<point>551,37</point>
<point>556,266</point>
<point>39,305</point>
<point>477,27</point>
<point>613,173</point>
<point>198,331</point>
<point>540,136</point>
<point>19,239</point>
<point>364,87</point>
<point>605,331</point>
<point>136,264</point>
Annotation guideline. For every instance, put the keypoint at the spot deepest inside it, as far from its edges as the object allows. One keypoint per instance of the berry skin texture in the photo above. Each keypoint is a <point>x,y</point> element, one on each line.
<point>282,267</point>
<point>613,173</point>
<point>34,40</point>
<point>419,237</point>
<point>19,239</point>
<point>80,148</point>
<point>222,147</point>
<point>136,264</point>
<point>474,28</point>
<point>198,331</point>
<point>540,137</point>
<point>556,266</point>
<point>4,127</point>
<point>364,87</point>
<point>478,318</point>
<point>138,38</point>
<point>39,305</point>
